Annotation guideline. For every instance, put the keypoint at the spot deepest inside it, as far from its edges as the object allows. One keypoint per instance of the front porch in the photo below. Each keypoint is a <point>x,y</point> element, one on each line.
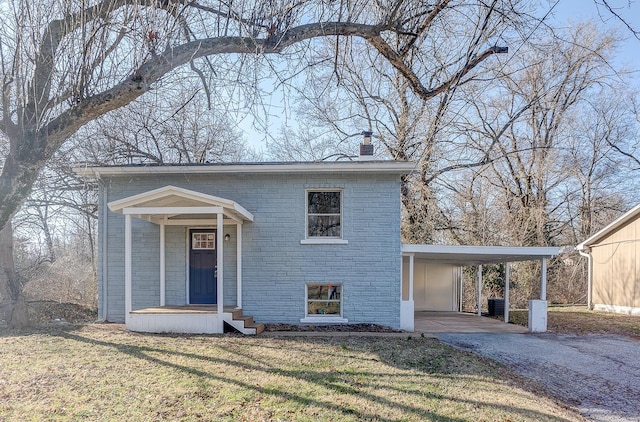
<point>201,308</point>
<point>195,319</point>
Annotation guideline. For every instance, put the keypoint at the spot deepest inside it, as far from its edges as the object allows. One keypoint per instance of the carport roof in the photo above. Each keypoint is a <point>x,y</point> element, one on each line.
<point>476,255</point>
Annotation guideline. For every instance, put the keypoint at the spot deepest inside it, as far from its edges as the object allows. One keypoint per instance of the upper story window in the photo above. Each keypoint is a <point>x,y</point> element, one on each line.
<point>324,214</point>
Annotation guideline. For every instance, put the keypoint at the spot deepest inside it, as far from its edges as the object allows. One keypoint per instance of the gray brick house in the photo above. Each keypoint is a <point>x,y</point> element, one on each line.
<point>186,248</point>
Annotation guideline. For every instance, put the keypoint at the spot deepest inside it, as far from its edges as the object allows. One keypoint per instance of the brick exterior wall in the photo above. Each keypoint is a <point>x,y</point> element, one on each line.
<point>276,266</point>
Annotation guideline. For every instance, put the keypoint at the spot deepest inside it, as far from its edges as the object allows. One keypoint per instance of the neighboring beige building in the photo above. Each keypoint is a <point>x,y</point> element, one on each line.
<point>614,265</point>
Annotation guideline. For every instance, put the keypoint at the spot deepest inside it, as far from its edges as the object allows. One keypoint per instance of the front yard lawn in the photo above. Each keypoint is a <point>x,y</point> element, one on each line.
<point>102,372</point>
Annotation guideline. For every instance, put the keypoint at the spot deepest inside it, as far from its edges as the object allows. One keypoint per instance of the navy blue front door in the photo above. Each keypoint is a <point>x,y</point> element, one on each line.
<point>202,266</point>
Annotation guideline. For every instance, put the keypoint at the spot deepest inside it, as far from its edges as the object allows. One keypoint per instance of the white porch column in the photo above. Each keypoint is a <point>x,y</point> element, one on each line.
<point>507,274</point>
<point>239,265</point>
<point>543,282</point>
<point>127,267</point>
<point>479,290</point>
<point>162,266</point>
<point>220,259</point>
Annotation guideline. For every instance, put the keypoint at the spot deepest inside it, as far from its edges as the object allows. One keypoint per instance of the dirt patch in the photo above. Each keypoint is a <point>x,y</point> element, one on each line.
<point>42,312</point>
<point>360,328</point>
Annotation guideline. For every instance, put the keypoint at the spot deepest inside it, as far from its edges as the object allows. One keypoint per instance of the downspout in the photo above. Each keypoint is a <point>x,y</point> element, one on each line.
<point>104,272</point>
<point>587,254</point>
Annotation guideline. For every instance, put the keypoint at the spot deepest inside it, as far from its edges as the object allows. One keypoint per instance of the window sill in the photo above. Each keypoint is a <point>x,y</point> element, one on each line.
<point>321,241</point>
<point>325,319</point>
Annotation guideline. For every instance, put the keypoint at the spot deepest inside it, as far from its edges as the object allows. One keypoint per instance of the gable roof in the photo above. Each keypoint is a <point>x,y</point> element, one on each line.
<point>625,218</point>
<point>168,199</point>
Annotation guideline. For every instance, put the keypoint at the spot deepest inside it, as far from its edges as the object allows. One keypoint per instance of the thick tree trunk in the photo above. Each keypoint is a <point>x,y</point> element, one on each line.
<point>13,308</point>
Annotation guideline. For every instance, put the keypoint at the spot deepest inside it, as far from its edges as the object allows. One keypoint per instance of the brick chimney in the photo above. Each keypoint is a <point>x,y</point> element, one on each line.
<point>366,148</point>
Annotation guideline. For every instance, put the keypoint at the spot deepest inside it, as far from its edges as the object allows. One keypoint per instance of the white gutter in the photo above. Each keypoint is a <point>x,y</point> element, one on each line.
<point>586,252</point>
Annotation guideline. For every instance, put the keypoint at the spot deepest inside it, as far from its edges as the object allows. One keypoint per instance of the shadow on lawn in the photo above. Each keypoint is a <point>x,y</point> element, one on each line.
<point>326,379</point>
<point>53,329</point>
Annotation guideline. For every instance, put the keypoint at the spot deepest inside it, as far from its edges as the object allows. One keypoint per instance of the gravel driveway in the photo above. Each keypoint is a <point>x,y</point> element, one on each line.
<point>598,375</point>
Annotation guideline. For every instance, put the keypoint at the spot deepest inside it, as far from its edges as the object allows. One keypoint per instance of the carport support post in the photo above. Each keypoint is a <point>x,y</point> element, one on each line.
<point>543,281</point>
<point>480,290</point>
<point>507,273</point>
<point>538,308</point>
<point>411,269</point>
<point>461,288</point>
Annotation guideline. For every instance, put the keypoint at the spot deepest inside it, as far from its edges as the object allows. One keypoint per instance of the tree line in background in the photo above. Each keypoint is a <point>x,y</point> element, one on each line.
<point>536,146</point>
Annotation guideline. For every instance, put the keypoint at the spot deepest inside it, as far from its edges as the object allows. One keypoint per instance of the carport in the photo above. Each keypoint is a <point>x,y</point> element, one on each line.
<point>432,278</point>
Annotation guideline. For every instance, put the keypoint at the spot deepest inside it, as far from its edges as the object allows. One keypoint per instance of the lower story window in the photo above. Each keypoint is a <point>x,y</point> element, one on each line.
<point>324,300</point>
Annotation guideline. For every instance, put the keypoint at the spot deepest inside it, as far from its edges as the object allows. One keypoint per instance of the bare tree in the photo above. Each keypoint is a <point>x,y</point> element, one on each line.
<point>69,64</point>
<point>598,184</point>
<point>368,93</point>
<point>620,12</point>
<point>182,129</point>
<point>526,125</point>
<point>548,128</point>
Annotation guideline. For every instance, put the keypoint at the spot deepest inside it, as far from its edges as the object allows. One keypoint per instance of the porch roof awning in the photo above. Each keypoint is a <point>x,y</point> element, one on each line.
<point>177,205</point>
<point>476,255</point>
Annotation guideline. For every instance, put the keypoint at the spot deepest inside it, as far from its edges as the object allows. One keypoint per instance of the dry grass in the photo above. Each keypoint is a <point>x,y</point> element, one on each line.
<point>101,372</point>
<point>579,320</point>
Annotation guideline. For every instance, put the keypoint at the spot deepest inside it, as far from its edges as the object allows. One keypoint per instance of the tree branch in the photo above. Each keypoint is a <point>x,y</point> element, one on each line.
<point>420,90</point>
<point>157,66</point>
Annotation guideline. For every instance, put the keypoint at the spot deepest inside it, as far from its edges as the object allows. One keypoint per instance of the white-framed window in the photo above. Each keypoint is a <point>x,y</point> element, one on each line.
<point>324,300</point>
<point>324,214</point>
<point>203,241</point>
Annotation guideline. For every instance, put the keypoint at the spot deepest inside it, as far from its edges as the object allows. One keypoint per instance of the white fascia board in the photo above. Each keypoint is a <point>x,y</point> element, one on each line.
<point>171,210</point>
<point>242,211</point>
<point>482,250</point>
<point>611,227</point>
<point>485,254</point>
<point>200,222</point>
<point>256,168</point>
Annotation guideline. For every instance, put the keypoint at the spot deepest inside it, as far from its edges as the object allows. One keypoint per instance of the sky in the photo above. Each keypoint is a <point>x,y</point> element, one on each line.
<point>569,11</point>
<point>563,14</point>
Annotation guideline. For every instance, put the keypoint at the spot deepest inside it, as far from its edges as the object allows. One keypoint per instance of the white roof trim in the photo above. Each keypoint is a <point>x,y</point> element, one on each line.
<point>611,227</point>
<point>474,255</point>
<point>120,205</point>
<point>388,166</point>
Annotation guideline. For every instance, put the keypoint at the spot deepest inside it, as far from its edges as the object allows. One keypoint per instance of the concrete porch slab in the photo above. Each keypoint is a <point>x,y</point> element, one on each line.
<point>456,322</point>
